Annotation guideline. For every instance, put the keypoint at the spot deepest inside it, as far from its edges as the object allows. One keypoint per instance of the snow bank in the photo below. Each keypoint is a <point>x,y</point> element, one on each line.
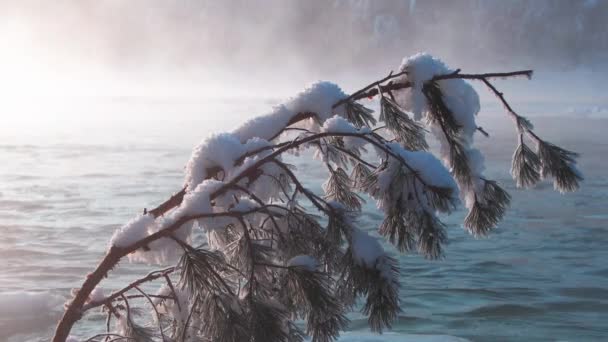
<point>27,312</point>
<point>28,304</point>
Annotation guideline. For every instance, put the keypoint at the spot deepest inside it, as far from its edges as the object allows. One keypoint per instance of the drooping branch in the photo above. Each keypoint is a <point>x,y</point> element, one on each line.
<point>550,160</point>
<point>260,257</point>
<point>116,253</point>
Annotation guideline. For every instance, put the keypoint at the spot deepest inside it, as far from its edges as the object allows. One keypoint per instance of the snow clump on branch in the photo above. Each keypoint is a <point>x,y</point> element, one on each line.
<point>317,99</point>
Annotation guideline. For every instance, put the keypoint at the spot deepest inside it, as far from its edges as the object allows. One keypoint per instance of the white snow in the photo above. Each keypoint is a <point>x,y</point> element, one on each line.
<point>219,150</point>
<point>122,326</point>
<point>198,200</point>
<point>318,98</point>
<point>164,250</point>
<point>430,169</point>
<point>96,295</point>
<point>366,249</point>
<point>222,150</point>
<point>72,339</point>
<point>26,314</point>
<point>460,97</point>
<point>368,253</point>
<point>411,191</point>
<point>305,261</point>
<point>420,68</point>
<point>338,124</point>
<point>244,205</point>
<point>24,305</point>
<point>169,306</point>
<point>133,231</point>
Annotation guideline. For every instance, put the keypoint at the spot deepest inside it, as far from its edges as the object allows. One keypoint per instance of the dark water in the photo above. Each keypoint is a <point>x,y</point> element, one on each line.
<point>66,184</point>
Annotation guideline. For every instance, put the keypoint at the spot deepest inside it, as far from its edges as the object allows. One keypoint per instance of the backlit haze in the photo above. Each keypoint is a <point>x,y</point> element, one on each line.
<point>236,47</point>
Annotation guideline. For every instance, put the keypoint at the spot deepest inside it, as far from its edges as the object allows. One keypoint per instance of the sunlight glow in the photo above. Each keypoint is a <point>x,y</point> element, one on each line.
<point>22,67</point>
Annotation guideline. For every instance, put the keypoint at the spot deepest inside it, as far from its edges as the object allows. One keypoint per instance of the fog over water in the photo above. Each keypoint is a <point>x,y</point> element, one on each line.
<point>249,45</point>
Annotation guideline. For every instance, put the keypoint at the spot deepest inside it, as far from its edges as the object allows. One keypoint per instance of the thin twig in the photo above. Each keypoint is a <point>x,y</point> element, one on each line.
<point>160,323</point>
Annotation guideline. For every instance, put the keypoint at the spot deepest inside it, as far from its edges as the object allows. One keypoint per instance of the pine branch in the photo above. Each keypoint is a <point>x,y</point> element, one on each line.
<point>369,91</point>
<point>488,209</point>
<point>309,292</point>
<point>526,166</point>
<point>248,293</point>
<point>408,132</point>
<point>559,163</point>
<point>338,188</point>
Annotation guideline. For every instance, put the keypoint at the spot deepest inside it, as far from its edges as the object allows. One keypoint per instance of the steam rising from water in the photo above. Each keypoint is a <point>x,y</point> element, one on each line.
<point>240,43</point>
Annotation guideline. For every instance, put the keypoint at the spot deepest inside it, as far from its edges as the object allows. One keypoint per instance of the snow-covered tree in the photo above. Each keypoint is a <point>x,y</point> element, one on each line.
<point>275,253</point>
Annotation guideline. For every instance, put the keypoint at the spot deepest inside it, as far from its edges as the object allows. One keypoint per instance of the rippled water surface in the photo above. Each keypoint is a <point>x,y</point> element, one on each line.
<point>67,181</point>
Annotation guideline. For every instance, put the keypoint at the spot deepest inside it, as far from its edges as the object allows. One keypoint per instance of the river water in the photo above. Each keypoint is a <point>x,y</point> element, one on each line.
<point>70,176</point>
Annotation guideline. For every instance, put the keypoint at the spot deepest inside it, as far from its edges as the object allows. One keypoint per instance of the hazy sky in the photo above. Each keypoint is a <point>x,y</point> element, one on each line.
<point>119,46</point>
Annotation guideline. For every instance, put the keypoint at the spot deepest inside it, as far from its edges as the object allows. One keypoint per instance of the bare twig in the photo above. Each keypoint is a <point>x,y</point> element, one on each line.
<point>160,323</point>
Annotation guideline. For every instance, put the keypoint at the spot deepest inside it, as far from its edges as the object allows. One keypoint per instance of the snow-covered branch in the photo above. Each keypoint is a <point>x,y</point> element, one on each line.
<point>274,251</point>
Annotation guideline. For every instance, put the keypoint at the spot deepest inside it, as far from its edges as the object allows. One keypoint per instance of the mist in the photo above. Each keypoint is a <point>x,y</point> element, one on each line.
<point>216,48</point>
